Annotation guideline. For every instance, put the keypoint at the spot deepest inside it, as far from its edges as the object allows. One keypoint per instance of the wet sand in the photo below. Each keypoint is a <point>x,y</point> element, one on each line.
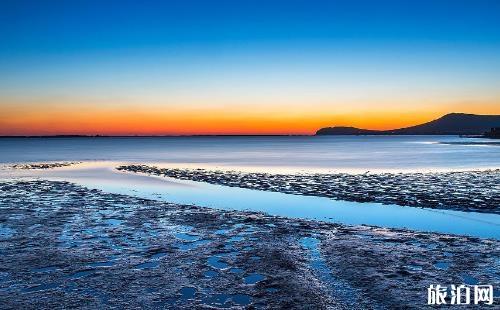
<point>477,191</point>
<point>63,245</point>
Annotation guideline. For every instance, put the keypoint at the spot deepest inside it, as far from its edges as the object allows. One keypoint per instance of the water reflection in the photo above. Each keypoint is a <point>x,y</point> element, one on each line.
<point>103,176</point>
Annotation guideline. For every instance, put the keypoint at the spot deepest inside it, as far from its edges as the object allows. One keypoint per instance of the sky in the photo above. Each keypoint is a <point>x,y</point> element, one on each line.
<point>243,67</point>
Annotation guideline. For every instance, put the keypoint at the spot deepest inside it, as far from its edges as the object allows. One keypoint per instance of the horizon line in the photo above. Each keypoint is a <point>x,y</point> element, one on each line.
<point>379,132</point>
<point>155,136</point>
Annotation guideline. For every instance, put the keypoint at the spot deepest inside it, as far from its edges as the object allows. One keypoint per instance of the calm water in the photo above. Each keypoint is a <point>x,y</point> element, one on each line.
<point>350,153</point>
<point>397,153</point>
<point>103,176</point>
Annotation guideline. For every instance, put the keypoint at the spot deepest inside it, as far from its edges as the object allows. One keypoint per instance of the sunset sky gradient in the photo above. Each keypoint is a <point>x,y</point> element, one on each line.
<point>243,67</point>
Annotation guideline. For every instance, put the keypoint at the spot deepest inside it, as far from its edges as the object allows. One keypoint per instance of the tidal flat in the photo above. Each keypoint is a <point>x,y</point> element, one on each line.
<point>470,191</point>
<point>63,245</point>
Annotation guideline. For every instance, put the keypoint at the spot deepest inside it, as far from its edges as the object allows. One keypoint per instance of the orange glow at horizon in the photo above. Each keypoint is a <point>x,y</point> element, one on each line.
<point>78,119</point>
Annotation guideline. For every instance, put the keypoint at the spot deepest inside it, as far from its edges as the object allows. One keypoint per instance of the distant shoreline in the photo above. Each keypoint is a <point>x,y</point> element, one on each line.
<point>150,136</point>
<point>196,136</point>
<point>449,124</point>
<point>452,124</point>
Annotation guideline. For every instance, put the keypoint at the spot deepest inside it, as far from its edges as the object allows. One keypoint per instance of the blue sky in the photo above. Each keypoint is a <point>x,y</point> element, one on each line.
<point>34,27</point>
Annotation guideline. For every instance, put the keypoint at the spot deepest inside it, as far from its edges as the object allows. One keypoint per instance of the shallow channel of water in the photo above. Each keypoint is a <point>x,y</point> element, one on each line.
<point>103,176</point>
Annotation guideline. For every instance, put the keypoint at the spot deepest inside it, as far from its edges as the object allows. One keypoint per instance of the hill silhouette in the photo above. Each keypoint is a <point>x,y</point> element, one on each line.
<point>449,124</point>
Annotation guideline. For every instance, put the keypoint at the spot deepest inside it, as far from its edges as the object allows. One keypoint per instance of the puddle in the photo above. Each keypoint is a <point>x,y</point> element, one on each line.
<point>442,265</point>
<point>6,232</point>
<point>102,264</point>
<point>89,231</point>
<point>191,245</point>
<point>496,293</point>
<point>241,299</point>
<point>253,278</point>
<point>221,231</point>
<point>187,292</point>
<point>113,222</point>
<point>210,274</point>
<point>469,280</point>
<point>214,262</point>
<point>105,211</point>
<point>415,267</point>
<point>148,265</point>
<point>236,270</point>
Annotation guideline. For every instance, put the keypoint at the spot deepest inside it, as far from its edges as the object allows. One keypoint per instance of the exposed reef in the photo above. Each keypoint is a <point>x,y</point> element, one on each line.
<point>65,246</point>
<point>477,191</point>
<point>45,165</point>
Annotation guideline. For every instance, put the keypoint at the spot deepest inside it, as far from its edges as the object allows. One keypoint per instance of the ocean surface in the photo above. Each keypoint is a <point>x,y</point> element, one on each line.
<point>294,153</point>
<point>101,156</point>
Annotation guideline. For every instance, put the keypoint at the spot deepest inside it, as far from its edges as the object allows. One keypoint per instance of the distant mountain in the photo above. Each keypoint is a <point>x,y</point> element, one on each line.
<point>341,131</point>
<point>450,124</point>
<point>454,123</point>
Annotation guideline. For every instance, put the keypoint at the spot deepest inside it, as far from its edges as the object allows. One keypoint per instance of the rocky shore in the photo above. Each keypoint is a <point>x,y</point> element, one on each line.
<point>65,246</point>
<point>45,165</point>
<point>477,191</point>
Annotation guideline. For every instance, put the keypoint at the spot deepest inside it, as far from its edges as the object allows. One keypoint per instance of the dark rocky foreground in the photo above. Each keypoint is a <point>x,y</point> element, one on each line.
<point>477,191</point>
<point>64,246</point>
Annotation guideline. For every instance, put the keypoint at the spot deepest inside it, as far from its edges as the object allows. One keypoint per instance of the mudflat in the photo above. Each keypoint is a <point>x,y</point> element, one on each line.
<point>63,245</point>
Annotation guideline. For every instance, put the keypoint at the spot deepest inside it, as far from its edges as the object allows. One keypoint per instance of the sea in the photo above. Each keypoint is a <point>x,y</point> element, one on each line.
<point>298,154</point>
<point>268,153</point>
